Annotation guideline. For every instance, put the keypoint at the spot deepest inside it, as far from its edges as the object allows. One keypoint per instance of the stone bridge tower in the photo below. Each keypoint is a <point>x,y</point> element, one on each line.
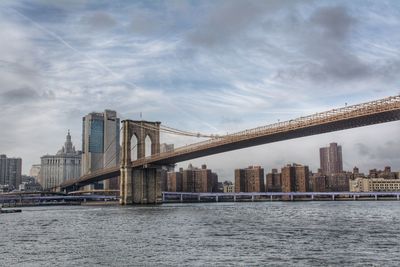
<point>139,185</point>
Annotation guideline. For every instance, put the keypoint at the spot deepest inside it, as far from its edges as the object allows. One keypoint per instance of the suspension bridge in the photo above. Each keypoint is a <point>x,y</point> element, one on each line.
<point>139,179</point>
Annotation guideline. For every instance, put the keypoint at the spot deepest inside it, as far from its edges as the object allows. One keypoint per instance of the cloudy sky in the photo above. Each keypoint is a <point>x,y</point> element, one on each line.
<point>202,66</point>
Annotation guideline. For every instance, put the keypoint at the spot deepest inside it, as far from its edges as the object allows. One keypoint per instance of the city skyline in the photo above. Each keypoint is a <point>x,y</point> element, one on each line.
<point>212,133</point>
<point>196,72</point>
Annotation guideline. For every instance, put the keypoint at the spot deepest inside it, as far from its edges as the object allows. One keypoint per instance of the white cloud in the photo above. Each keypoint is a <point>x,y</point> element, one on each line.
<point>197,67</point>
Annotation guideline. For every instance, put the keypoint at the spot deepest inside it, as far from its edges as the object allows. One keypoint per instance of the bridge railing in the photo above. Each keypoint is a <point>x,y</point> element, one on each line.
<point>332,115</point>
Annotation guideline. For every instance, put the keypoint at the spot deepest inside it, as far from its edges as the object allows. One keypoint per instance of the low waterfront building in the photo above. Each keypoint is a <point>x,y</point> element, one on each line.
<point>356,185</point>
<point>386,173</point>
<point>338,182</point>
<point>318,182</point>
<point>228,187</point>
<point>381,185</point>
<point>374,185</point>
<point>29,184</point>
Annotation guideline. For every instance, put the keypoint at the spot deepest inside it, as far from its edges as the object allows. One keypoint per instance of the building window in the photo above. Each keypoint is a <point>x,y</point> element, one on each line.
<point>96,136</point>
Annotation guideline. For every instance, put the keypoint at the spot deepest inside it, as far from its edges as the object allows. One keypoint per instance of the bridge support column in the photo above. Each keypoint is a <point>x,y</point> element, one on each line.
<point>126,186</point>
<point>146,186</point>
<point>333,197</point>
<point>234,198</point>
<point>216,198</point>
<point>376,197</point>
<point>140,185</point>
<point>198,198</point>
<point>398,197</point>
<point>354,197</point>
<point>181,198</point>
<point>252,198</point>
<point>270,198</point>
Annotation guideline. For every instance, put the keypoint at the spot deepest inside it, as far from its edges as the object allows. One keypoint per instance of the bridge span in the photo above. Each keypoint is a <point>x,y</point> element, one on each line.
<point>369,113</point>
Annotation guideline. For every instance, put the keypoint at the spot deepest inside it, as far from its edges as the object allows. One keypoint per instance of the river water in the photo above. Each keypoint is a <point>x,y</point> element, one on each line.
<point>342,233</point>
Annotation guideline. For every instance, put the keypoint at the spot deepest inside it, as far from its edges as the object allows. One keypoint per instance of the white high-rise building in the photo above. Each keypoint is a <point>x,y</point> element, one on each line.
<point>100,144</point>
<point>65,165</point>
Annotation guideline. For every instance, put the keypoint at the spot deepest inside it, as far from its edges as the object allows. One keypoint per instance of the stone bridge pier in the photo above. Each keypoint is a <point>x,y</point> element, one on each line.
<point>141,185</point>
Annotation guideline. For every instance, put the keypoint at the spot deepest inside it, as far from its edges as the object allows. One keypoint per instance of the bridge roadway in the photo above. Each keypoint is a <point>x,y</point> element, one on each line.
<point>374,112</point>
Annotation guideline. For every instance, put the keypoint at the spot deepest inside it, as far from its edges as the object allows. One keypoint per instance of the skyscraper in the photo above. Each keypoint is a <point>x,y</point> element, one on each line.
<point>10,171</point>
<point>100,143</point>
<point>65,165</point>
<point>331,159</point>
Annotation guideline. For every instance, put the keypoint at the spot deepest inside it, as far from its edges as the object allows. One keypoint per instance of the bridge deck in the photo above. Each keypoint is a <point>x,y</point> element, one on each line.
<point>379,111</point>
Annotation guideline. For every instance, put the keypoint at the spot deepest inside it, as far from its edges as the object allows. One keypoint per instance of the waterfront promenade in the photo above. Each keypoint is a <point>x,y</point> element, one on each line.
<point>191,197</point>
<point>285,196</point>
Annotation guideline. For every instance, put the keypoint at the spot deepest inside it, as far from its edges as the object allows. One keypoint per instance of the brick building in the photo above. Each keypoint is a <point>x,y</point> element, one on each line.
<point>273,181</point>
<point>295,178</point>
<point>250,179</point>
<point>331,159</point>
<point>192,179</point>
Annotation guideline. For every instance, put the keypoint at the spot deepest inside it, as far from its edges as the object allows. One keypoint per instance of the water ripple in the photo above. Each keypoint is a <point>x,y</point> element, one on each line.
<point>206,234</point>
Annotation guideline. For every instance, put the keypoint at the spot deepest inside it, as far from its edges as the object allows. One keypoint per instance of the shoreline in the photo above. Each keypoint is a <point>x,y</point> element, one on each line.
<point>192,201</point>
